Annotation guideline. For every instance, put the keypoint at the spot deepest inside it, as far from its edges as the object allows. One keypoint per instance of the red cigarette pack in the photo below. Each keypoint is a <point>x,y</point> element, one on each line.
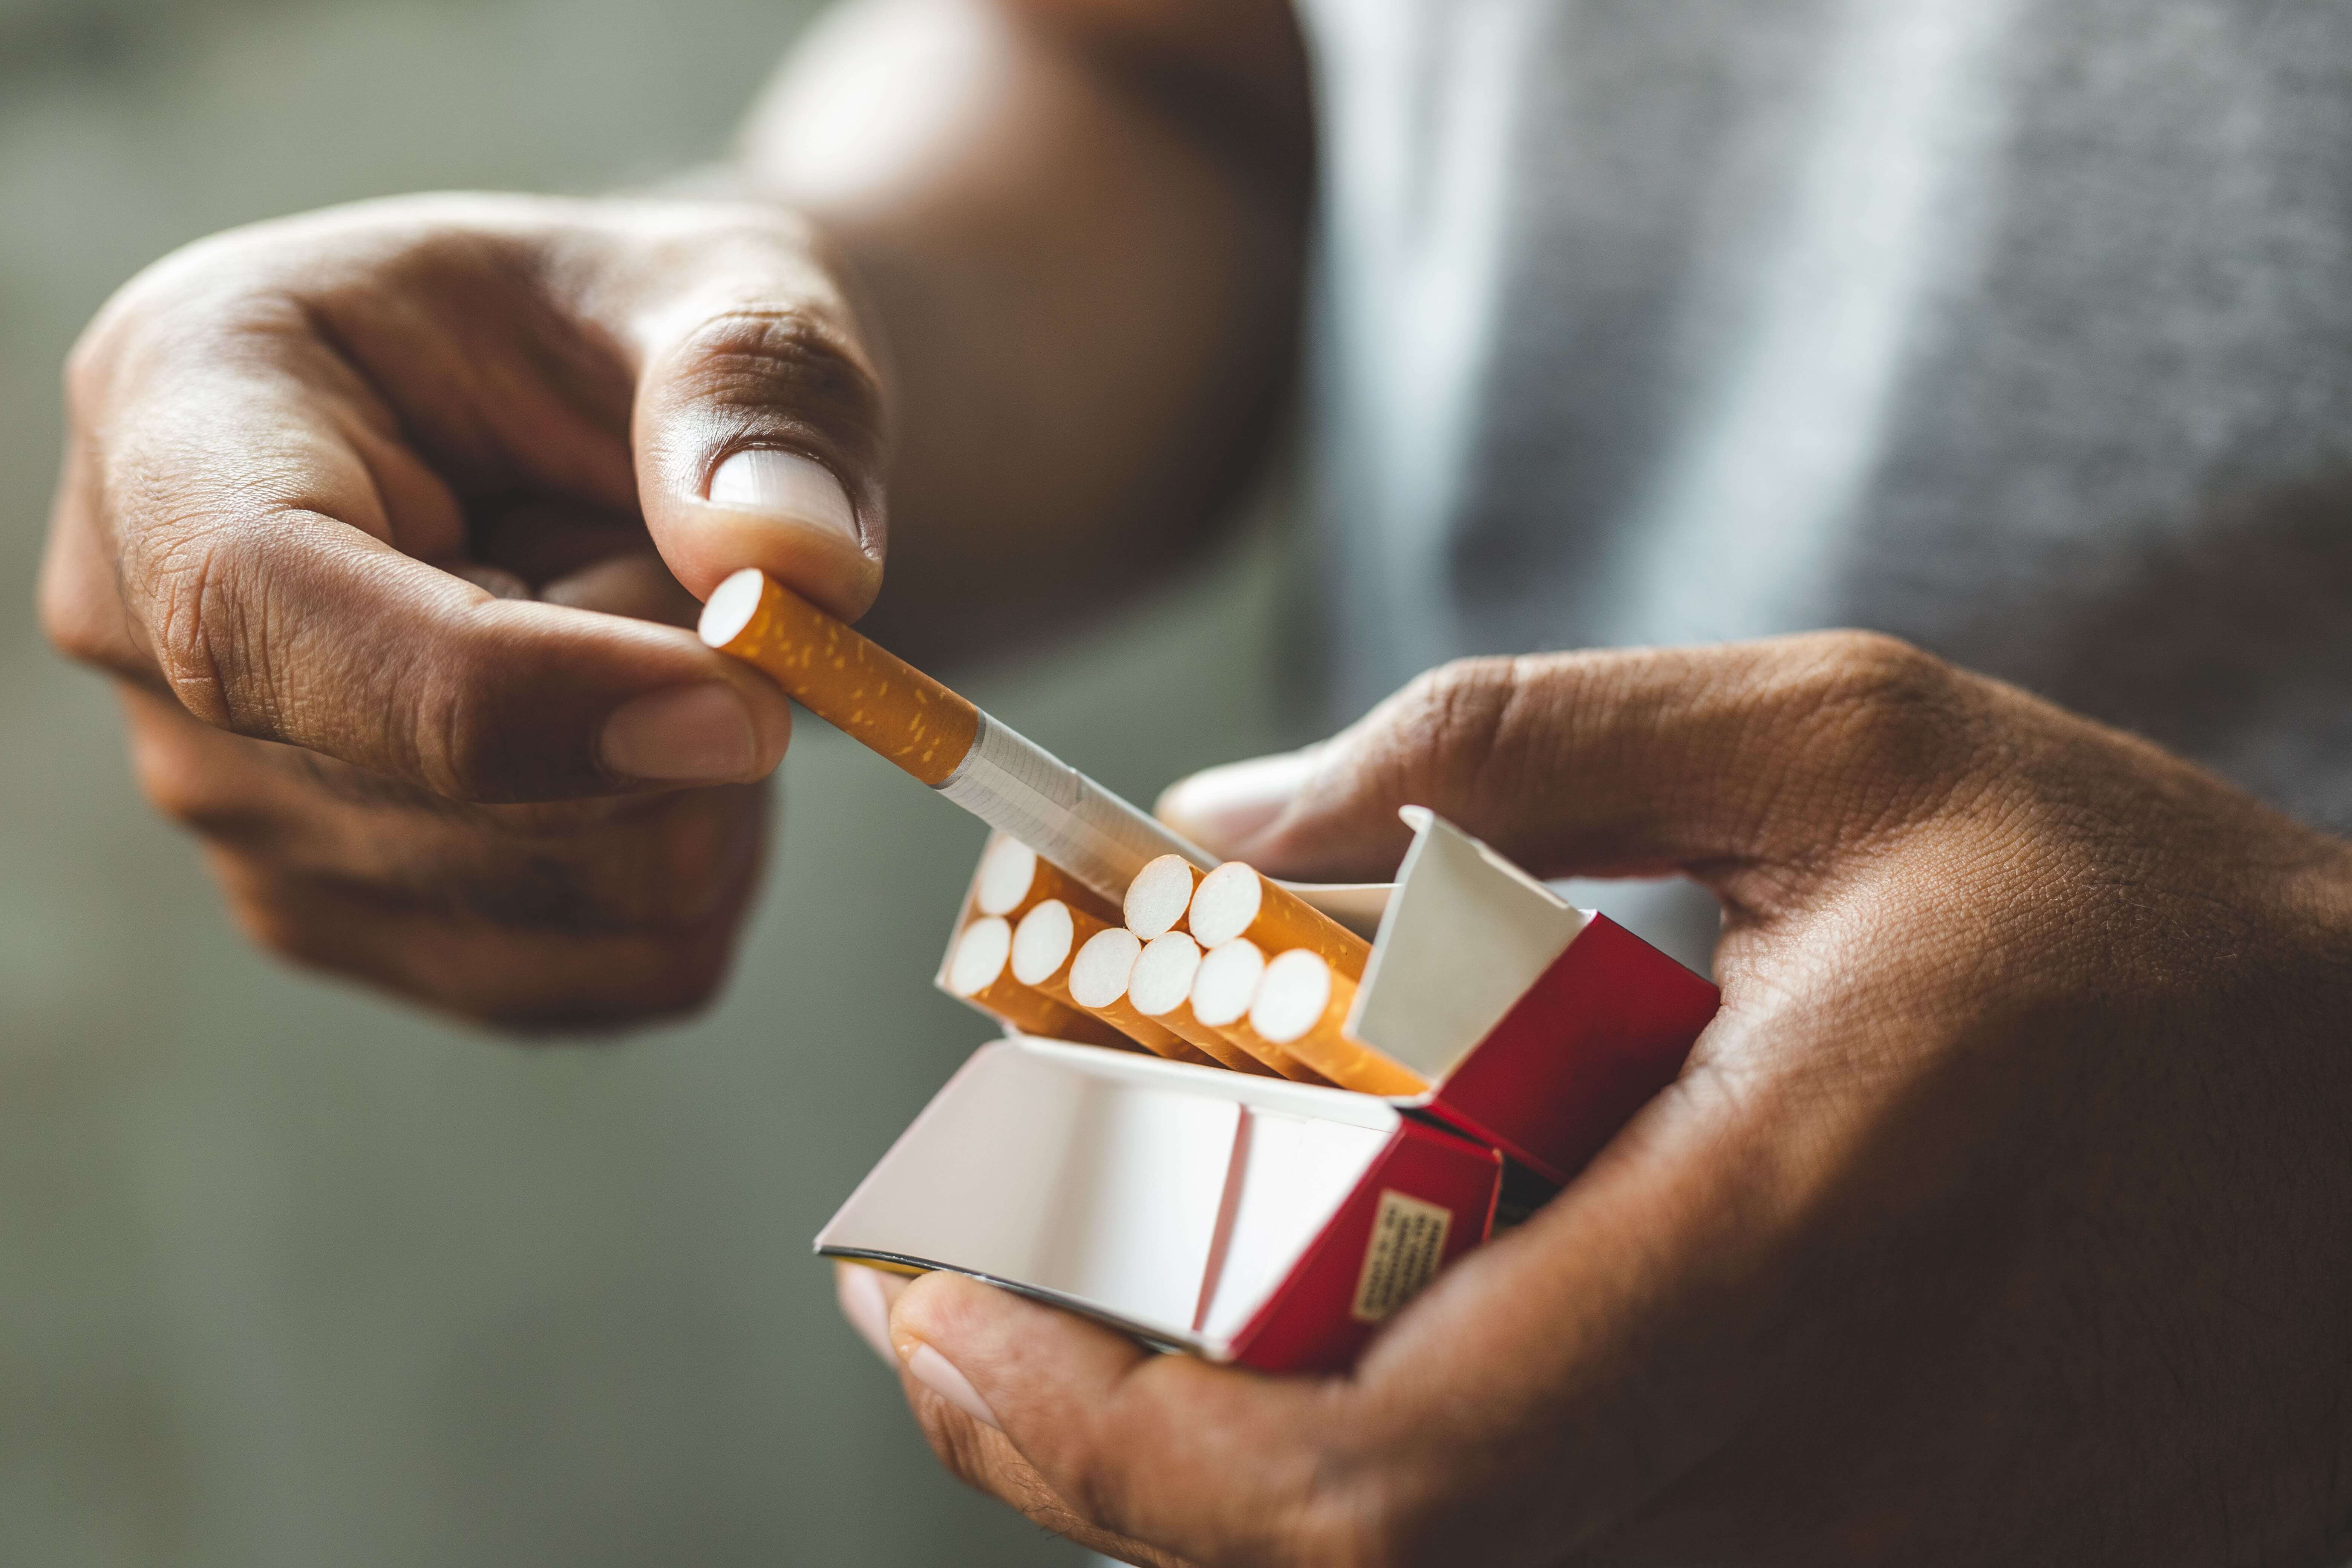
<point>1276,1225</point>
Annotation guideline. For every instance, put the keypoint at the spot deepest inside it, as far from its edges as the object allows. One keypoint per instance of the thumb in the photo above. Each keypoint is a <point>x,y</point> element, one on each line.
<point>1610,763</point>
<point>758,424</point>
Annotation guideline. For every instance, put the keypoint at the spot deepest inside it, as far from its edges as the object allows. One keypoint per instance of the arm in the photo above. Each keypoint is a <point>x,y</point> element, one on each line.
<point>388,520</point>
<point>1081,224</point>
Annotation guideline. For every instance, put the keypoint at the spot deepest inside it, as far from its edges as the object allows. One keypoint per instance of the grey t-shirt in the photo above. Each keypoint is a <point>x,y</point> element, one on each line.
<point>2019,328</point>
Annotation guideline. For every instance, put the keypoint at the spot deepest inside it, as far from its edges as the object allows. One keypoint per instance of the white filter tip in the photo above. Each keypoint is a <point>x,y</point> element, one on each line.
<point>1163,974</point>
<point>980,956</point>
<point>1227,983</point>
<point>1098,975</point>
<point>1224,904</point>
<point>1042,943</point>
<point>1292,994</point>
<point>1006,873</point>
<point>730,607</point>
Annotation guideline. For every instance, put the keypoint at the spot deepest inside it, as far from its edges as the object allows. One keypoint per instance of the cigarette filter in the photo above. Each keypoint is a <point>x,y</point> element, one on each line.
<point>1234,901</point>
<point>990,769</point>
<point>980,971</point>
<point>1158,898</point>
<point>1222,989</point>
<point>1302,1006</point>
<point>1161,989</point>
<point>1098,977</point>
<point>1046,947</point>
<point>1014,878</point>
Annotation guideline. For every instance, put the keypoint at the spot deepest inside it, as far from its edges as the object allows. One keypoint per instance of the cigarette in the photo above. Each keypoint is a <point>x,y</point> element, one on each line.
<point>1222,989</point>
<point>1046,947</point>
<point>983,765</point>
<point>980,972</point>
<point>1234,902</point>
<point>1098,977</point>
<point>1158,897</point>
<point>1302,1006</point>
<point>1014,879</point>
<point>1161,990</point>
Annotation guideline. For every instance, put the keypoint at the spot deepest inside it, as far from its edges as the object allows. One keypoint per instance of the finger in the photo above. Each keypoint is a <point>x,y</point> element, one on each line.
<point>864,1295</point>
<point>758,424</point>
<point>1618,762</point>
<point>526,977</point>
<point>647,863</point>
<point>1082,1428</point>
<point>250,541</point>
<point>963,1431</point>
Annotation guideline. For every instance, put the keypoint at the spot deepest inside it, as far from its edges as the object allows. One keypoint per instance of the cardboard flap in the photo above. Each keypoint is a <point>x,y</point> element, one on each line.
<point>1465,935</point>
<point>1166,1197</point>
<point>1290,1175</point>
<point>1606,1026</point>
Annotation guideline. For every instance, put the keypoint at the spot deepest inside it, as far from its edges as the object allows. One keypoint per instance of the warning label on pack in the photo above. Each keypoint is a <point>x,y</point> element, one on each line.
<point>1408,1240</point>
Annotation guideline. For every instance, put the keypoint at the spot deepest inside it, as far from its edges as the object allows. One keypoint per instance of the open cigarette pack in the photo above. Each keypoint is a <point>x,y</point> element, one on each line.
<point>1118,1154</point>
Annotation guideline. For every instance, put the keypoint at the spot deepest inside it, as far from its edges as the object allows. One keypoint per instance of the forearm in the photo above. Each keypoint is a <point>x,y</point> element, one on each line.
<point>1081,240</point>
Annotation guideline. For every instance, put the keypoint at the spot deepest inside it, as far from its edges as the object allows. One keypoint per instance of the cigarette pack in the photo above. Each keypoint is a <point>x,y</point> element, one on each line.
<point>1274,1224</point>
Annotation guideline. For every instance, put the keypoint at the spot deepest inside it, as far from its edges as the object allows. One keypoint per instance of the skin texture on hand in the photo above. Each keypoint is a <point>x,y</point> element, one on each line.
<point>388,521</point>
<point>1997,1219</point>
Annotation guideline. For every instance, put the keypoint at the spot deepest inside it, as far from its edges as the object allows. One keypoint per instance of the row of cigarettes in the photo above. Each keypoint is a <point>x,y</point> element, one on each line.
<point>1224,969</point>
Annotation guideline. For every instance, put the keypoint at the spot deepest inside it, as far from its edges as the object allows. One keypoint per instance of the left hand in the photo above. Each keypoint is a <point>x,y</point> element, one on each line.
<point>2001,1216</point>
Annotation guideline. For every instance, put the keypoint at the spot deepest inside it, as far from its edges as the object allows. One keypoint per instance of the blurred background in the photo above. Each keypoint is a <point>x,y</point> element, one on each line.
<point>291,1276</point>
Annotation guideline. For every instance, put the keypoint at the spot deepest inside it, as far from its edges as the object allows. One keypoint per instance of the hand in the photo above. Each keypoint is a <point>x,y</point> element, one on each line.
<point>389,519</point>
<point>2001,1216</point>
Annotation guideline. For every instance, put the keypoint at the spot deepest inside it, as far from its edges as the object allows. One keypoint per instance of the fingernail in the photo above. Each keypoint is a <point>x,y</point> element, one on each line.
<point>1225,806</point>
<point>685,733</point>
<point>936,1373</point>
<point>785,485</point>
<point>863,1302</point>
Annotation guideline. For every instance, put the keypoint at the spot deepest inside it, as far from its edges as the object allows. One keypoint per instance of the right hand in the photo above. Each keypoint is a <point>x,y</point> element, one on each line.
<point>389,521</point>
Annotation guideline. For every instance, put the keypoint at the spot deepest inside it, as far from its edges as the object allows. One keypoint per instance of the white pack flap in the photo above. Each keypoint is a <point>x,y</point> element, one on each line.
<point>1465,934</point>
<point>1101,1179</point>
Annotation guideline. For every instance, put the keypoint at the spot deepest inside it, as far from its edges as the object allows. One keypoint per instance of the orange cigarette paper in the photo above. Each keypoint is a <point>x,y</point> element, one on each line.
<point>872,696</point>
<point>1033,1012</point>
<point>1014,878</point>
<point>1277,918</point>
<point>1327,1047</point>
<point>1283,1060</point>
<point>1225,986</point>
<point>980,972</point>
<point>1217,1044</point>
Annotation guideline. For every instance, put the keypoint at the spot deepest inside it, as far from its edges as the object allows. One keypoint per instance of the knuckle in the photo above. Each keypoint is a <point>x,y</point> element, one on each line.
<point>472,737</point>
<point>1877,667</point>
<point>1451,725</point>
<point>794,361</point>
<point>206,611</point>
<point>1891,729</point>
<point>450,745</point>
